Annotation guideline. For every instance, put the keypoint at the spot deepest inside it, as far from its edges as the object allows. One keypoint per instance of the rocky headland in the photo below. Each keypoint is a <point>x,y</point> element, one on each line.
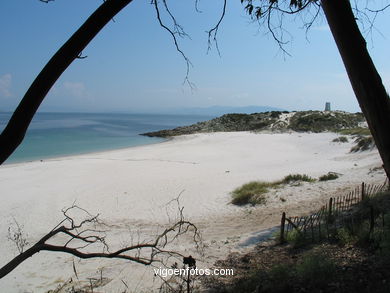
<point>275,121</point>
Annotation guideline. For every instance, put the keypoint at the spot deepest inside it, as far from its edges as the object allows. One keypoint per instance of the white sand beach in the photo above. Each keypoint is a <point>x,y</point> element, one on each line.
<point>130,189</point>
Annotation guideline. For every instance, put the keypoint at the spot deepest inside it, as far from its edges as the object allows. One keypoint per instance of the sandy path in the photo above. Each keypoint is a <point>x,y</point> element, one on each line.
<point>130,189</point>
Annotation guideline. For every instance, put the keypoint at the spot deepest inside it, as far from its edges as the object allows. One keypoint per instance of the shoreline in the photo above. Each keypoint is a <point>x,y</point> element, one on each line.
<point>76,155</point>
<point>131,187</point>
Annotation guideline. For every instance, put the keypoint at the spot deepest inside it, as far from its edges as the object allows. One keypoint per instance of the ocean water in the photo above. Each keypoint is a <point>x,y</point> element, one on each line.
<point>59,134</point>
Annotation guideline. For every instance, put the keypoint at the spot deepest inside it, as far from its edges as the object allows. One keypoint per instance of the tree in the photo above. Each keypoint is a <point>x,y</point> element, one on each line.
<point>365,80</point>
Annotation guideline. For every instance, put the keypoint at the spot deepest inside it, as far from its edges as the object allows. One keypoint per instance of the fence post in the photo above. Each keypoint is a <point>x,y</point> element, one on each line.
<point>282,224</point>
<point>330,208</point>
<point>363,191</point>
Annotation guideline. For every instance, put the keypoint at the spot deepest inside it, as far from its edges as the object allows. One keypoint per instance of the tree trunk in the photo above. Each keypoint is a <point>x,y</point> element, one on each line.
<point>365,80</point>
<point>13,134</point>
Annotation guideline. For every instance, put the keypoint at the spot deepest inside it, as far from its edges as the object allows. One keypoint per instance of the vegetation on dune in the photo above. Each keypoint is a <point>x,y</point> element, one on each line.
<point>251,193</point>
<point>342,139</point>
<point>363,143</point>
<point>329,176</point>
<point>254,192</point>
<point>297,178</point>
<point>318,121</point>
<point>355,131</point>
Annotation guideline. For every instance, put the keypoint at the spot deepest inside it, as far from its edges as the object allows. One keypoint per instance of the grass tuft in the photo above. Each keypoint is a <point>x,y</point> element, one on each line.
<point>329,176</point>
<point>297,178</point>
<point>254,192</point>
<point>363,143</point>
<point>251,193</point>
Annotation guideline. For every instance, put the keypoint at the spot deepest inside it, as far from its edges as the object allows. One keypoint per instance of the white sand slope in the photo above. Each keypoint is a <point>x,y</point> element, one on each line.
<point>131,187</point>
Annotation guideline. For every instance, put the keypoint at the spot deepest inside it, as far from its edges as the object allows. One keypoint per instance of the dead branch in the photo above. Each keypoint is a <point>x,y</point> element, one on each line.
<point>83,239</point>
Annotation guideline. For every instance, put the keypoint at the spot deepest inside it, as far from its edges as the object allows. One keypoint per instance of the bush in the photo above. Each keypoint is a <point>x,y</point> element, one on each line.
<point>316,269</point>
<point>329,176</point>
<point>342,139</point>
<point>279,279</point>
<point>251,193</point>
<point>345,236</point>
<point>297,177</point>
<point>296,239</point>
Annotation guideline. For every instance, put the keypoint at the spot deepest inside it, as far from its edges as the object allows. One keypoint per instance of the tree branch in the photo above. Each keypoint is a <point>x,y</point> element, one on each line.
<point>142,253</point>
<point>212,34</point>
<point>180,32</point>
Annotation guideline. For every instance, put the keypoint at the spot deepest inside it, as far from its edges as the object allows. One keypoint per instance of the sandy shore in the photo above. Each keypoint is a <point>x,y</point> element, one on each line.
<point>130,189</point>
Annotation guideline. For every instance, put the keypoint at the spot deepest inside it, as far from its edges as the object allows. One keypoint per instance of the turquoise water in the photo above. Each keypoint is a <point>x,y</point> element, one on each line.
<point>58,134</point>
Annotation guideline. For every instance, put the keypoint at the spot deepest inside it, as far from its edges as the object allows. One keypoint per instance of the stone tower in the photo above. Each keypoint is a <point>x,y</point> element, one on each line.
<point>327,106</point>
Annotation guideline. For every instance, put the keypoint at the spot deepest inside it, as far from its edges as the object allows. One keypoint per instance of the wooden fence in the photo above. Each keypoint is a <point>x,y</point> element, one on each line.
<point>336,213</point>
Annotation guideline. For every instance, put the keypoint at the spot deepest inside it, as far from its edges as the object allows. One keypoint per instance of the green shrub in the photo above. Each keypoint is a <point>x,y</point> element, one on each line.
<point>250,193</point>
<point>329,176</point>
<point>342,139</point>
<point>345,236</point>
<point>297,177</point>
<point>316,269</point>
<point>296,238</point>
<point>278,279</point>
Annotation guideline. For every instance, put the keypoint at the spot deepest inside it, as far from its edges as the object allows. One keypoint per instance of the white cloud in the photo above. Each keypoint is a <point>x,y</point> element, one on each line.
<point>5,85</point>
<point>76,89</point>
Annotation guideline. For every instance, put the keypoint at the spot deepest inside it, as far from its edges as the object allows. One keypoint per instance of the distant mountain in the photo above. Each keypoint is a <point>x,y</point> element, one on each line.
<point>219,110</point>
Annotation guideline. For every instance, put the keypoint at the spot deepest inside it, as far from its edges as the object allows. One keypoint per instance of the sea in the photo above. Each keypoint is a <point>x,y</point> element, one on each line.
<point>61,134</point>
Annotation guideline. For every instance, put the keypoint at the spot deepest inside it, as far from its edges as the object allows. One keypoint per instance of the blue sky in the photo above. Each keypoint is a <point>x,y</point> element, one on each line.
<point>132,64</point>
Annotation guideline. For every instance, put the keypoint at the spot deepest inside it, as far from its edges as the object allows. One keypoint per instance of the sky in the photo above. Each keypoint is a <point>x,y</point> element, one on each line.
<point>132,65</point>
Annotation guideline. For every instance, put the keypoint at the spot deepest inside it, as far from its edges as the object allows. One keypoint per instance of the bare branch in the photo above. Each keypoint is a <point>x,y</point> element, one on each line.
<point>178,30</point>
<point>378,10</point>
<point>82,236</point>
<point>212,34</point>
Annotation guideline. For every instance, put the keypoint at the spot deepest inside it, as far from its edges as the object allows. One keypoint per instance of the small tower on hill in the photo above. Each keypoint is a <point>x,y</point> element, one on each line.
<point>327,106</point>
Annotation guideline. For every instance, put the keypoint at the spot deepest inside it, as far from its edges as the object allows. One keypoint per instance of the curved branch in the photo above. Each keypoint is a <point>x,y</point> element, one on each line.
<point>13,134</point>
<point>178,29</point>
<point>84,237</point>
<point>214,31</point>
